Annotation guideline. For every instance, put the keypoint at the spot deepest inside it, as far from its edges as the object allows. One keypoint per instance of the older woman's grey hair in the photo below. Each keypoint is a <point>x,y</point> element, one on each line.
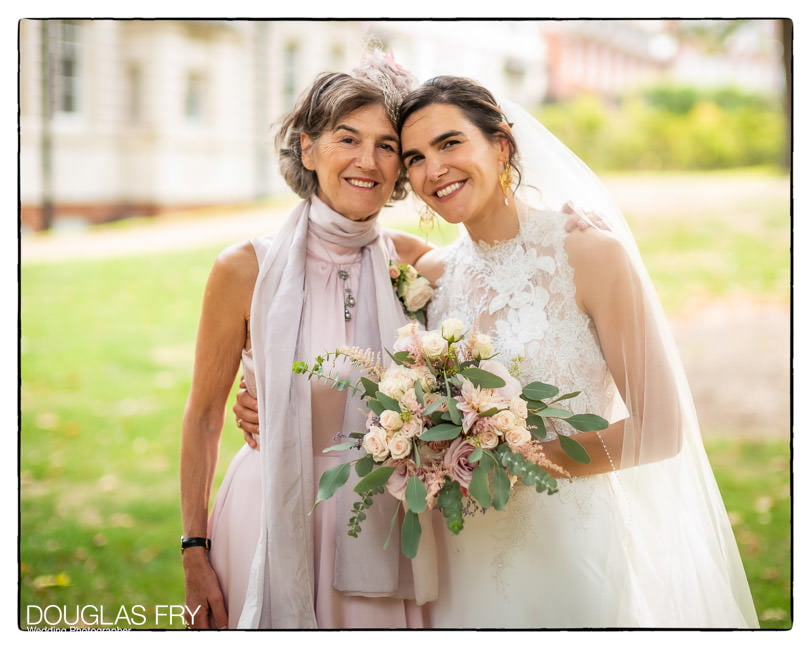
<point>331,97</point>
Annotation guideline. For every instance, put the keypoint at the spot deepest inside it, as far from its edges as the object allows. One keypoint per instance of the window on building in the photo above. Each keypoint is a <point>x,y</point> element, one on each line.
<point>194,98</point>
<point>67,66</point>
<point>291,56</point>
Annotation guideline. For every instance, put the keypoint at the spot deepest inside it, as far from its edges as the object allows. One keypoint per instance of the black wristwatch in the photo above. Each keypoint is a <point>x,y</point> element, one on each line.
<point>187,542</point>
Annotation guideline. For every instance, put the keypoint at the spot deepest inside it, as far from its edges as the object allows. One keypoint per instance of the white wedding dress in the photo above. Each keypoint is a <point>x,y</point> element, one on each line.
<point>613,550</point>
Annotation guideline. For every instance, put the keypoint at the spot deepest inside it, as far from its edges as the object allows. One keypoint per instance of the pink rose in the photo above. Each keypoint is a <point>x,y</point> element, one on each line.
<point>519,407</point>
<point>488,439</point>
<point>504,421</point>
<point>411,428</point>
<point>398,480</point>
<point>456,459</point>
<point>374,443</point>
<point>391,420</point>
<point>399,447</point>
<point>394,272</point>
<point>517,437</point>
<point>417,294</point>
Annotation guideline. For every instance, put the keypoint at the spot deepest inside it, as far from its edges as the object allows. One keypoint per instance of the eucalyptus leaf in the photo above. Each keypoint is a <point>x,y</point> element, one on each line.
<point>369,386</point>
<point>410,535</point>
<point>387,401</point>
<point>375,406</point>
<point>482,379</point>
<point>331,480</point>
<point>536,425</point>
<point>555,412</point>
<point>480,487</point>
<point>401,358</point>
<point>419,393</point>
<point>476,455</point>
<point>340,447</point>
<point>453,411</point>
<point>442,432</point>
<point>364,465</point>
<point>538,391</point>
<point>436,404</point>
<point>375,479</point>
<point>489,412</point>
<point>487,462</point>
<point>501,488</point>
<point>416,495</point>
<point>570,395</point>
<point>574,449</point>
<point>587,423</point>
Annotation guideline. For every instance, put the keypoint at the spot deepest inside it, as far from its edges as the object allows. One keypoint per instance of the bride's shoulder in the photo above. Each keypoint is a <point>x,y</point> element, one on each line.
<point>594,250</point>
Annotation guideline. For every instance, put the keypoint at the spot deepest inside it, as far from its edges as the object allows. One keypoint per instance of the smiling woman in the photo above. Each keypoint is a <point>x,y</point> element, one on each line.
<point>321,282</point>
<point>356,163</point>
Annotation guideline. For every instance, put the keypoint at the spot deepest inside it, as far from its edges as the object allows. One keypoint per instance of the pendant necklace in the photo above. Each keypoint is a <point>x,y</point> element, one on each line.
<point>349,299</point>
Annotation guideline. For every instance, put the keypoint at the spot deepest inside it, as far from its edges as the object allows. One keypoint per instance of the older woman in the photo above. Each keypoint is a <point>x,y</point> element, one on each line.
<point>262,560</point>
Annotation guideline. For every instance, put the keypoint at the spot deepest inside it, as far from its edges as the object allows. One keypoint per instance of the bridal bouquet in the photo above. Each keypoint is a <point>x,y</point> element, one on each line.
<point>448,428</point>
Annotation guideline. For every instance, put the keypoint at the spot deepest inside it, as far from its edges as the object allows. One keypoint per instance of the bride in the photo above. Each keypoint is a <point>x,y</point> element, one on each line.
<point>639,537</point>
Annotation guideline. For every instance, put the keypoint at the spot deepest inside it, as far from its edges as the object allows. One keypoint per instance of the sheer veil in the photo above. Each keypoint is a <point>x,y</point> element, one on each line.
<point>674,547</point>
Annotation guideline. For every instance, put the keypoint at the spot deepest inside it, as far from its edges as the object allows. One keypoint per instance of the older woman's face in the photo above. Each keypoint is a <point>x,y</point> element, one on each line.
<point>356,163</point>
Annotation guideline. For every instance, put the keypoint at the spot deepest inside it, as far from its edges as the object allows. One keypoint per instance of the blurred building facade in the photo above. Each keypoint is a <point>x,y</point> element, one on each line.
<point>136,117</point>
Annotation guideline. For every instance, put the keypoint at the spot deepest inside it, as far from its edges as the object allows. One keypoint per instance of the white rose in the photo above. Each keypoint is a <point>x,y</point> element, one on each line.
<point>452,329</point>
<point>410,272</point>
<point>411,428</point>
<point>391,420</point>
<point>488,439</point>
<point>481,346</point>
<point>374,443</point>
<point>504,421</point>
<point>518,407</point>
<point>399,447</point>
<point>518,436</point>
<point>417,294</point>
<point>396,380</point>
<point>434,345</point>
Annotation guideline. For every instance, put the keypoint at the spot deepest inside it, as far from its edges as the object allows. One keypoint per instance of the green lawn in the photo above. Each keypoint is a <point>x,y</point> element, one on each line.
<point>106,352</point>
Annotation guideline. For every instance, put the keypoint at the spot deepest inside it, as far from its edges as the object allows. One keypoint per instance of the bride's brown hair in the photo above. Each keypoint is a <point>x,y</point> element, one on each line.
<point>474,100</point>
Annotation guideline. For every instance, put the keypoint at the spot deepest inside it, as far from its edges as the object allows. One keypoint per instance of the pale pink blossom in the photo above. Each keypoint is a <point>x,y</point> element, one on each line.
<point>504,421</point>
<point>519,407</point>
<point>417,294</point>
<point>456,461</point>
<point>472,401</point>
<point>517,437</point>
<point>398,479</point>
<point>374,443</point>
<point>399,446</point>
<point>434,345</point>
<point>391,420</point>
<point>412,428</point>
<point>394,272</point>
<point>409,400</point>
<point>488,439</point>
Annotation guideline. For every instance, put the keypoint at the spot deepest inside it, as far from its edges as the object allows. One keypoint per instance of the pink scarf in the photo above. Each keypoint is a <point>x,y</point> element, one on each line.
<point>280,588</point>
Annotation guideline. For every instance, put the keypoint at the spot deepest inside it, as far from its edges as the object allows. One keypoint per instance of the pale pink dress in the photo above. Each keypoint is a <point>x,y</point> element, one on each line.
<point>234,523</point>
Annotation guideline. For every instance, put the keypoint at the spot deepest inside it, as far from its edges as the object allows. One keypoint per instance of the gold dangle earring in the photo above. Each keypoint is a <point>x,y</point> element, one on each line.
<point>427,219</point>
<point>505,179</point>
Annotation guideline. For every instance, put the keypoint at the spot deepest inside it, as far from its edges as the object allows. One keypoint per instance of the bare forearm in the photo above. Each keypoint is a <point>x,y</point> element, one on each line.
<point>604,449</point>
<point>198,461</point>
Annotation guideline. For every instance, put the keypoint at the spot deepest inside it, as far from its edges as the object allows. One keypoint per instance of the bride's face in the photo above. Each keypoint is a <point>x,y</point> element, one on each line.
<point>452,165</point>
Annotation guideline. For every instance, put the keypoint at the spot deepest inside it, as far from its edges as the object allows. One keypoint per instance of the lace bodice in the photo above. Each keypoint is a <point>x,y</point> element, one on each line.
<point>521,293</point>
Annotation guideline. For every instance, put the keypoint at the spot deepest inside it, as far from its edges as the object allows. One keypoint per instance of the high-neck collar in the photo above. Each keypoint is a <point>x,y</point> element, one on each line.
<point>330,226</point>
